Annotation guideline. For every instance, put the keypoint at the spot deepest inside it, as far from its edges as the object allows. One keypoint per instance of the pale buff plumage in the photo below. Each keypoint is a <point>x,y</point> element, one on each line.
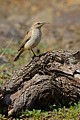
<point>31,39</point>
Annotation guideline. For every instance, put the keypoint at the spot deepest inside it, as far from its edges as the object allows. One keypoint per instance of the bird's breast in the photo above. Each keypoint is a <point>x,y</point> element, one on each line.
<point>34,40</point>
<point>36,34</point>
<point>36,37</point>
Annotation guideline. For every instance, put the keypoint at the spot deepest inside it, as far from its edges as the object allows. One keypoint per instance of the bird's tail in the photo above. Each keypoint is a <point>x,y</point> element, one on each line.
<point>18,55</point>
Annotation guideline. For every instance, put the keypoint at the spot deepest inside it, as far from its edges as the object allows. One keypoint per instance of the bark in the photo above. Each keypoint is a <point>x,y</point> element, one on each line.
<point>53,77</point>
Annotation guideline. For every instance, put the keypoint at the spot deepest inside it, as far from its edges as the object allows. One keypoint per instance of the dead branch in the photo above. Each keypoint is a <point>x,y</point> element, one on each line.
<point>53,77</point>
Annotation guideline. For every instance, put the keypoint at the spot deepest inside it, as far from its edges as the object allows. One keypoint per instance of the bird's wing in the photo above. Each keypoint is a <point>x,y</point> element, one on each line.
<point>26,38</point>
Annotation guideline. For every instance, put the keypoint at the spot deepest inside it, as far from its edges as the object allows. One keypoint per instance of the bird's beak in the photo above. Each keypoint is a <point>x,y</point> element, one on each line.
<point>44,23</point>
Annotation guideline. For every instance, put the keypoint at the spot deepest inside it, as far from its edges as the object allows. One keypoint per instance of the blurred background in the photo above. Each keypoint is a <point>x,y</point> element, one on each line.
<point>16,16</point>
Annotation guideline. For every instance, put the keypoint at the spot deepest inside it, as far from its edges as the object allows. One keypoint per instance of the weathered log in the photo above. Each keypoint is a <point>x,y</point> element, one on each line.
<point>53,77</point>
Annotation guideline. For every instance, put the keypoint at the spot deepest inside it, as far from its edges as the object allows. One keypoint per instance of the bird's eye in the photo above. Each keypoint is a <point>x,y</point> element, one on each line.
<point>38,23</point>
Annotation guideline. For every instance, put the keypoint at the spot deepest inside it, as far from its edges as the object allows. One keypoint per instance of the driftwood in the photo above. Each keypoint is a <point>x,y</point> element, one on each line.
<point>53,77</point>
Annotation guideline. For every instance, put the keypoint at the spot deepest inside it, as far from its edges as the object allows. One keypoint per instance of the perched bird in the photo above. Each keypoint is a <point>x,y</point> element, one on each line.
<point>31,39</point>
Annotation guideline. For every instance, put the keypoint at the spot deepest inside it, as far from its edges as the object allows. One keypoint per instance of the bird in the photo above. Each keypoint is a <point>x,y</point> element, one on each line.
<point>31,39</point>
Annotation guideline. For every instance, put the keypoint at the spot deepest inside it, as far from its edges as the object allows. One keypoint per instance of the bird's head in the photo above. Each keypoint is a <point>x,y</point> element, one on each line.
<point>38,24</point>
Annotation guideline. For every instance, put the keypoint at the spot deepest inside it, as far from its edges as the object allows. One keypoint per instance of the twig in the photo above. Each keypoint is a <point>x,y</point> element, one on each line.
<point>6,47</point>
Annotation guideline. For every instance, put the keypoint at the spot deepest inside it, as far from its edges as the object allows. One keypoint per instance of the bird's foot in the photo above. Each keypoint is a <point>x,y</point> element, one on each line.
<point>34,56</point>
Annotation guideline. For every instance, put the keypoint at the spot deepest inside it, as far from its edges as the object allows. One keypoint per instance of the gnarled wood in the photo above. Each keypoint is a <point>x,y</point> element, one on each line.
<point>53,77</point>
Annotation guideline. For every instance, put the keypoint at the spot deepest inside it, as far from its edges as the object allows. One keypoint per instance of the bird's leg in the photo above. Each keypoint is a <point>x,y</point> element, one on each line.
<point>33,53</point>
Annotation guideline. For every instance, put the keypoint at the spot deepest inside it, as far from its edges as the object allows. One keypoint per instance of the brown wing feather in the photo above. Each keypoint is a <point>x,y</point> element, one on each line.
<point>26,38</point>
